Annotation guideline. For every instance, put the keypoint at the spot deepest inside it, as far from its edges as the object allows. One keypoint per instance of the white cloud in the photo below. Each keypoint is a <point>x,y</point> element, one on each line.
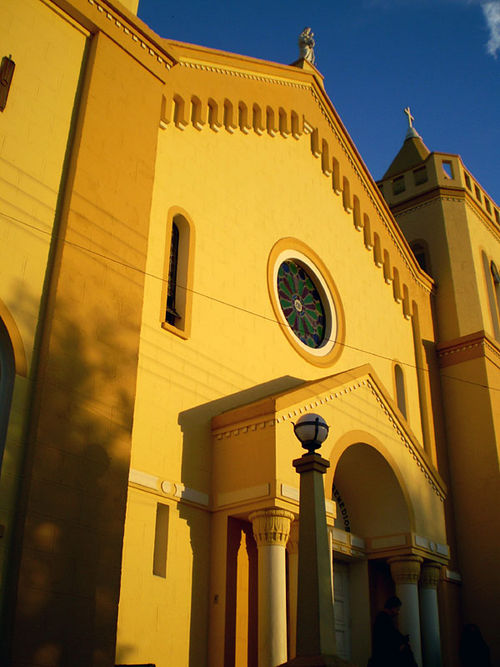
<point>491,11</point>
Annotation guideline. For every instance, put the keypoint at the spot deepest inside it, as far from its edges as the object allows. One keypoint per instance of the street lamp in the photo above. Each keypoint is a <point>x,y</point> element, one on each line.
<point>312,431</point>
<point>315,622</point>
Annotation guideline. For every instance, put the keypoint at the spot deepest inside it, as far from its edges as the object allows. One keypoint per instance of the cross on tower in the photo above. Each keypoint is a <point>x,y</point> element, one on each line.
<point>410,117</point>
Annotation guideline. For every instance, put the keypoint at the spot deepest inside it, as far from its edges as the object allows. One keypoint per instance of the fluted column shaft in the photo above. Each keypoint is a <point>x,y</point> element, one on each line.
<point>271,528</point>
<point>429,614</point>
<point>405,571</point>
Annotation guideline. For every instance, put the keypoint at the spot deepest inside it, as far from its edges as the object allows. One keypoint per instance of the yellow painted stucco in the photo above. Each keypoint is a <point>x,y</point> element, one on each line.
<point>49,51</point>
<point>145,440</point>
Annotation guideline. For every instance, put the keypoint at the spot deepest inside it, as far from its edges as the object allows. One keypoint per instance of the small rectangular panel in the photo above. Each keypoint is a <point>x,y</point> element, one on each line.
<point>161,541</point>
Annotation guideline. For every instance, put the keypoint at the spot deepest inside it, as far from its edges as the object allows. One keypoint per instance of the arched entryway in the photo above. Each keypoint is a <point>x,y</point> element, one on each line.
<point>372,511</point>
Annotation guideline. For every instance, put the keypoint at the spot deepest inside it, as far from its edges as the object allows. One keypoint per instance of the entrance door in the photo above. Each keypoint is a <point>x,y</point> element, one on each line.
<point>342,608</point>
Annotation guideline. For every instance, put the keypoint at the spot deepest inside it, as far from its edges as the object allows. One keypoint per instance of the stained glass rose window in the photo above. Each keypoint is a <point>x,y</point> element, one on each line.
<point>301,303</point>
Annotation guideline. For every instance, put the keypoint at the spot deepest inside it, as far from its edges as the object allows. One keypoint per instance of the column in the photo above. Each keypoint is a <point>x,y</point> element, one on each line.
<point>429,614</point>
<point>271,528</point>
<point>405,571</point>
<point>293,580</point>
<point>315,621</point>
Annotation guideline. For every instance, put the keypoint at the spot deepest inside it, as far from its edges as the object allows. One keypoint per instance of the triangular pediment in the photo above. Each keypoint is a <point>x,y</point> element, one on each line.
<point>331,391</point>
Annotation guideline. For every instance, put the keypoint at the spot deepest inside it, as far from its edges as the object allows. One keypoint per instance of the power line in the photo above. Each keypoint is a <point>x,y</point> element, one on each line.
<point>232,305</point>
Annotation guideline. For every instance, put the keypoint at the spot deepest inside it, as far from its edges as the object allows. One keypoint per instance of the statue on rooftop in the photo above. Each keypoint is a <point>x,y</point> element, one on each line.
<point>306,45</point>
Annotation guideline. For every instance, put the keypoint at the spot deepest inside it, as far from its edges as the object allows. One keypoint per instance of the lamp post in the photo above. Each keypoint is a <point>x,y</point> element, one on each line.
<point>315,621</point>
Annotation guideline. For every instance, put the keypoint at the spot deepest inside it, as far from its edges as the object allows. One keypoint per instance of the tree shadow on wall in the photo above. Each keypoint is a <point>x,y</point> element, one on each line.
<point>196,474</point>
<point>71,507</point>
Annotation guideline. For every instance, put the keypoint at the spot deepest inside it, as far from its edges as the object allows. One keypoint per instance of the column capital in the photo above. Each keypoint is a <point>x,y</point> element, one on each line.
<point>430,574</point>
<point>405,569</point>
<point>271,526</point>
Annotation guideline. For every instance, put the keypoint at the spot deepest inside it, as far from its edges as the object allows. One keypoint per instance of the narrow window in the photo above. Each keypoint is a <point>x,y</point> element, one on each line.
<point>7,68</point>
<point>488,205</point>
<point>398,185</point>
<point>448,169</point>
<point>493,292</point>
<point>496,282</point>
<point>420,175</point>
<point>467,180</point>
<point>421,253</point>
<point>177,294</point>
<point>497,216</point>
<point>161,541</point>
<point>399,381</point>
<point>478,193</point>
<point>172,315</point>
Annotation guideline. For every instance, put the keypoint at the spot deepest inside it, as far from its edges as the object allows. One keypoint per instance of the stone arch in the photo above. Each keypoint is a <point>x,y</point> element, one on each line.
<point>371,485</point>
<point>11,332</point>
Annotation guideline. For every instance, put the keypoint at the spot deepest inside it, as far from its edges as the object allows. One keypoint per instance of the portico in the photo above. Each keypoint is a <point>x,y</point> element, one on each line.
<point>375,517</point>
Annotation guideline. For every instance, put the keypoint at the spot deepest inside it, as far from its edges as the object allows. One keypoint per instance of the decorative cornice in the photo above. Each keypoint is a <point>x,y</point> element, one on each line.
<point>176,490</point>
<point>473,346</point>
<point>244,74</point>
<point>287,415</point>
<point>490,225</point>
<point>118,23</point>
<point>439,193</point>
<point>410,446</point>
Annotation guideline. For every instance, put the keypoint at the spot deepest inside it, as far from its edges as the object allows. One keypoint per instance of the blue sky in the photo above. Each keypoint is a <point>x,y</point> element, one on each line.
<point>440,57</point>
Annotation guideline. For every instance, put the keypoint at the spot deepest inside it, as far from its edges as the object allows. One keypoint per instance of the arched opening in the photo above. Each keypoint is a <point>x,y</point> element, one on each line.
<point>421,251</point>
<point>7,374</point>
<point>371,492</point>
<point>177,290</point>
<point>372,507</point>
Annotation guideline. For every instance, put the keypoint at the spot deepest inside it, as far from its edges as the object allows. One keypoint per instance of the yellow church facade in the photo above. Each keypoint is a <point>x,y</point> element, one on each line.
<point>194,255</point>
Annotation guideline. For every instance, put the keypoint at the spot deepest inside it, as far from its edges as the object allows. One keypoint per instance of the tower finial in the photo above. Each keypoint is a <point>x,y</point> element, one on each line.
<point>411,133</point>
<point>410,117</point>
<point>306,45</point>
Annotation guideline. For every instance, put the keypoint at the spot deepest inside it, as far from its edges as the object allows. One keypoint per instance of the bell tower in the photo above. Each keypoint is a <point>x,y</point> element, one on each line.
<point>453,228</point>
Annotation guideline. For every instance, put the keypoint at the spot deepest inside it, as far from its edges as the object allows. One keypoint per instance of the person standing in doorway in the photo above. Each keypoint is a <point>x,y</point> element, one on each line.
<point>390,648</point>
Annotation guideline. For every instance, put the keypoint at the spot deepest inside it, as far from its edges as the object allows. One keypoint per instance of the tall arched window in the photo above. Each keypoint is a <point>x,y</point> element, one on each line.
<point>399,382</point>
<point>172,315</point>
<point>178,274</point>
<point>492,280</point>
<point>7,374</point>
<point>421,252</point>
<point>495,274</point>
